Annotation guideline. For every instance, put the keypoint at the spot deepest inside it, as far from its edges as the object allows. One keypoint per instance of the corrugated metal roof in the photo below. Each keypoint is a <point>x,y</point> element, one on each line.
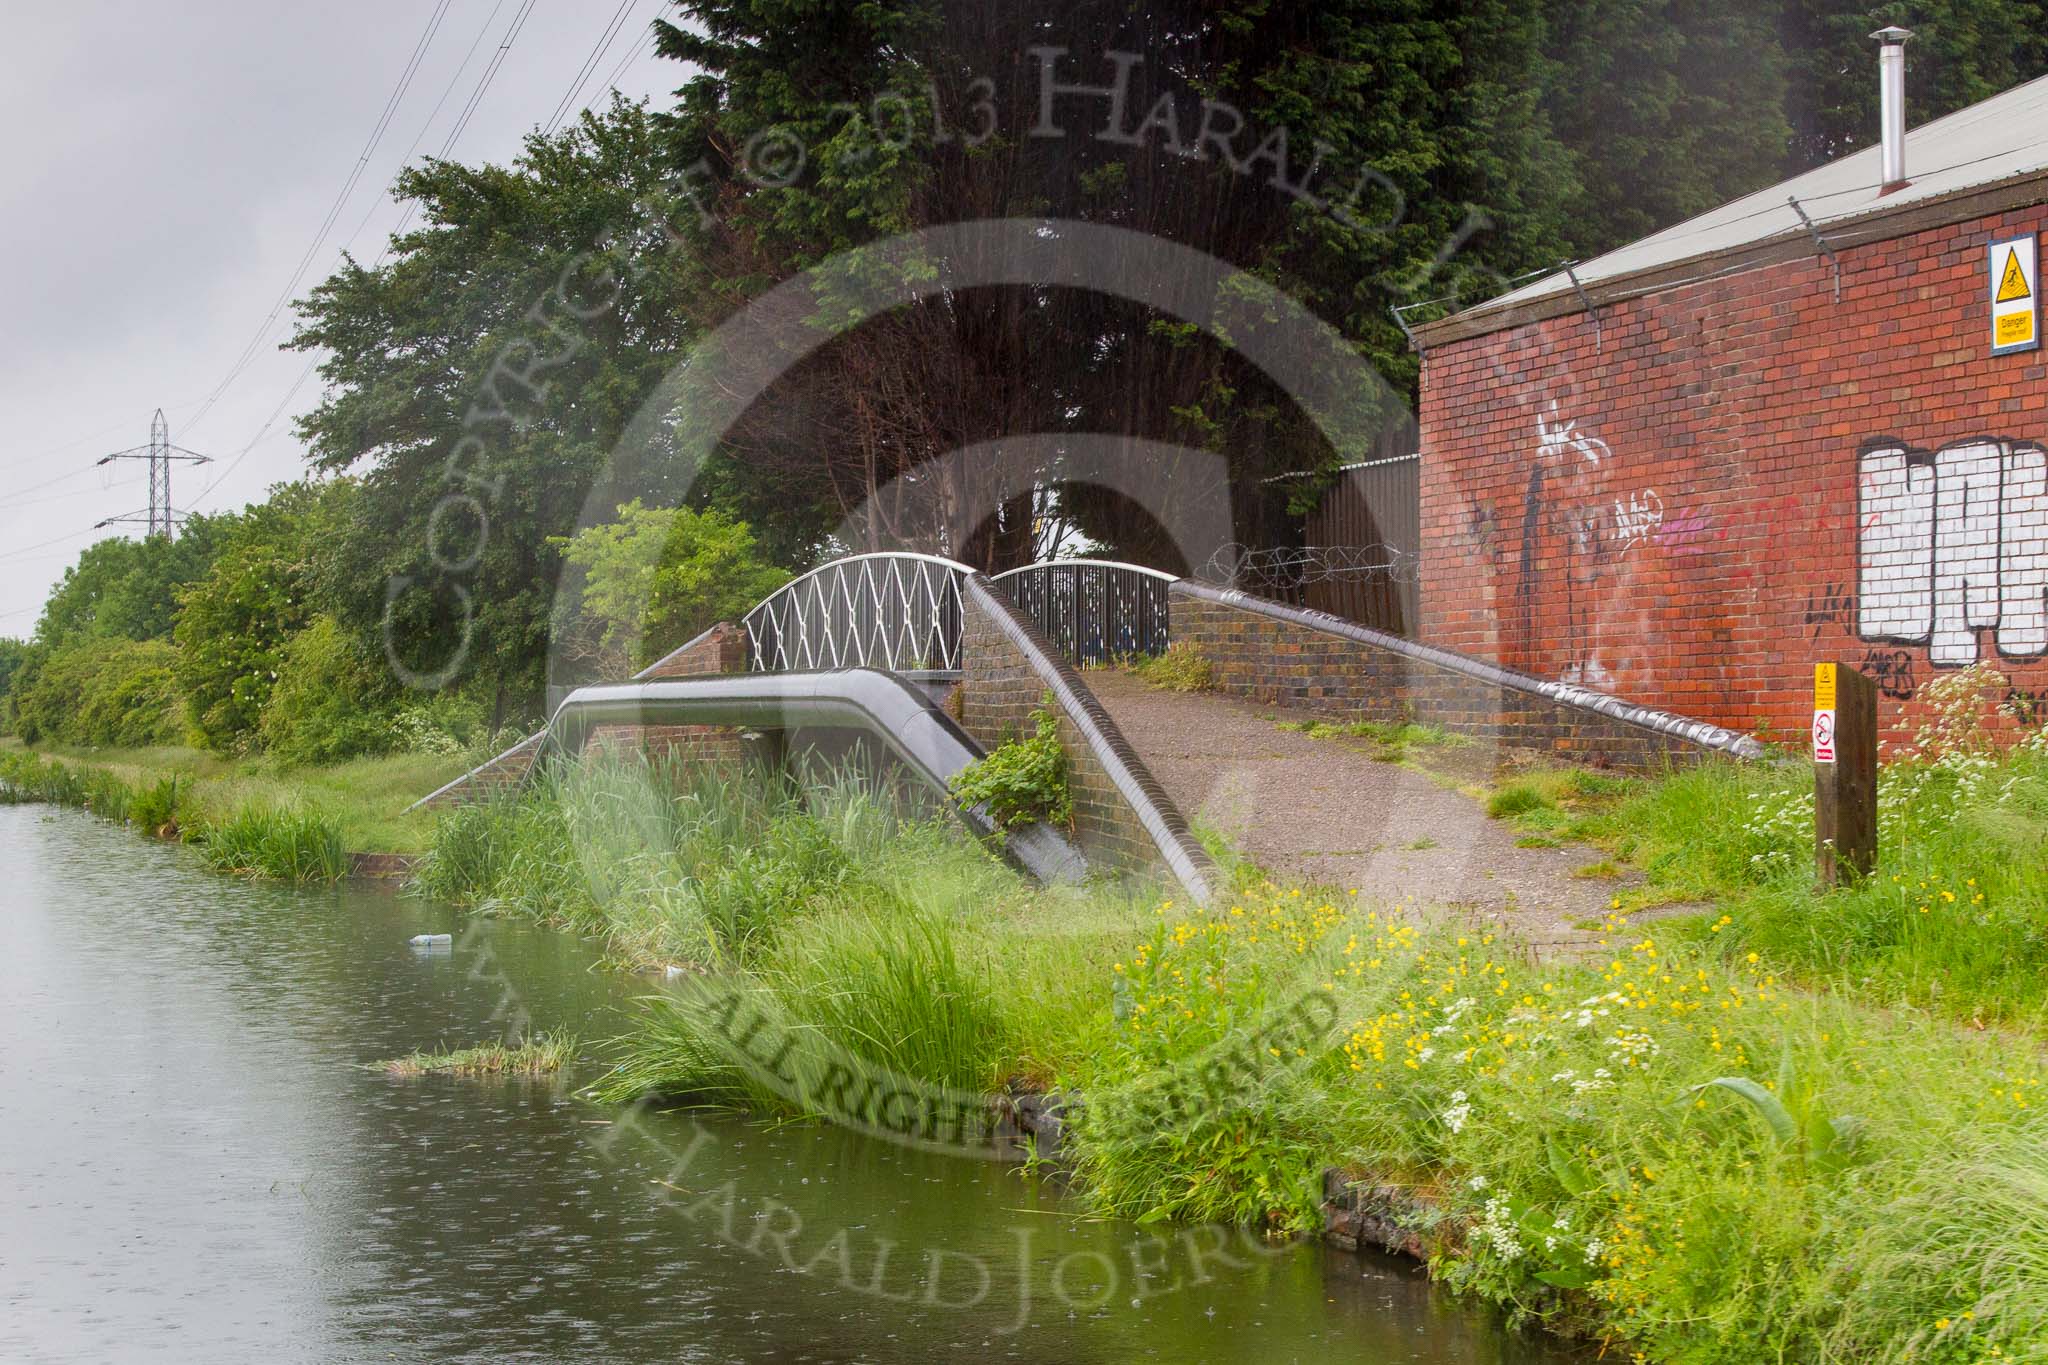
<point>2002,137</point>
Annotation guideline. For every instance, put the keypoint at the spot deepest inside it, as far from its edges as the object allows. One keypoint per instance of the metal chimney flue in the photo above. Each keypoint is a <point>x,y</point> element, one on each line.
<point>1891,88</point>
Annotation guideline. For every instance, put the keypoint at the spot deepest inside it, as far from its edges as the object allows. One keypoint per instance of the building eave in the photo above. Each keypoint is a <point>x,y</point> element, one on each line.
<point>1878,225</point>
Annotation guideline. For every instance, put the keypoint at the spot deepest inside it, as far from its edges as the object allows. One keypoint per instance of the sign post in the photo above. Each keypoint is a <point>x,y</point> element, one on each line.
<point>1844,773</point>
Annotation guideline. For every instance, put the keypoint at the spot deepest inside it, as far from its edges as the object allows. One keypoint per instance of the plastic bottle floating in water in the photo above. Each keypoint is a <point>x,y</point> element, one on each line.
<point>432,940</point>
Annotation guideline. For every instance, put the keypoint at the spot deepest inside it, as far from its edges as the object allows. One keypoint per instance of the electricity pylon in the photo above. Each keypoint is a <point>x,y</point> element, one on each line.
<point>159,452</point>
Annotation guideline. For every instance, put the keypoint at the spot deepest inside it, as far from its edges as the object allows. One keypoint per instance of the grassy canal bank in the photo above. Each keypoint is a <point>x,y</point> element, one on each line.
<point>252,817</point>
<point>1704,1145</point>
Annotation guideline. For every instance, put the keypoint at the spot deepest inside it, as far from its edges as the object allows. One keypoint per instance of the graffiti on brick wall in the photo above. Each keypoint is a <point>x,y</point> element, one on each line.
<point>2028,706</point>
<point>1833,605</point>
<point>1569,529</point>
<point>1639,518</point>
<point>1952,548</point>
<point>1892,671</point>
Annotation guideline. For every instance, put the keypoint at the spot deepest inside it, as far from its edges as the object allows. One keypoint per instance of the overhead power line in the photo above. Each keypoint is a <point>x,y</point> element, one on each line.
<point>455,132</point>
<point>584,72</point>
<point>355,174</point>
<point>490,74</point>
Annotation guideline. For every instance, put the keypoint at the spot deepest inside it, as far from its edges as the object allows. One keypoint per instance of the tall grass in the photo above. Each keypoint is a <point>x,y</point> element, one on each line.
<point>685,862</point>
<point>1954,916</point>
<point>282,843</point>
<point>1668,1149</point>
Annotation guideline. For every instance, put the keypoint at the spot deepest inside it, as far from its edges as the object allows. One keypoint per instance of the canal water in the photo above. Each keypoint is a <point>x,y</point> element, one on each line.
<point>196,1166</point>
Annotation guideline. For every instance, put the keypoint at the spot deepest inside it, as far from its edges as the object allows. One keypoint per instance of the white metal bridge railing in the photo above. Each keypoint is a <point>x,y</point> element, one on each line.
<point>1092,610</point>
<point>901,612</point>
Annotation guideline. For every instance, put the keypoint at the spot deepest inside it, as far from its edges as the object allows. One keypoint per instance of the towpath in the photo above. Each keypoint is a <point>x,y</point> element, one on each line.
<point>1330,810</point>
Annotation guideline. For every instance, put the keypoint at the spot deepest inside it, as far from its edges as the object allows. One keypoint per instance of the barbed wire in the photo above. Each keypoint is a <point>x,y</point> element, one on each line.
<point>1290,567</point>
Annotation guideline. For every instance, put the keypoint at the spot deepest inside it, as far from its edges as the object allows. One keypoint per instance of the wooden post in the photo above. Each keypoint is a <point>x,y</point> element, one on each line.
<point>1844,773</point>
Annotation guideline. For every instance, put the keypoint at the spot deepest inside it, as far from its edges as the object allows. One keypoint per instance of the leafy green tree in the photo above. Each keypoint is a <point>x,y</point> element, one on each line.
<point>659,576</point>
<point>478,382</point>
<point>1962,51</point>
<point>233,623</point>
<point>100,692</point>
<point>1433,112</point>
<point>13,653</point>
<point>1669,108</point>
<point>128,589</point>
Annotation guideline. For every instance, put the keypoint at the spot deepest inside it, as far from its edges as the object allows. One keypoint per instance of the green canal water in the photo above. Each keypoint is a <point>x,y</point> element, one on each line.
<point>195,1167</point>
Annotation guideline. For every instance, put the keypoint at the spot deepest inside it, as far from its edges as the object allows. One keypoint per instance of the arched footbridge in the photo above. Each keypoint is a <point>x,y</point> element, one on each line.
<point>937,663</point>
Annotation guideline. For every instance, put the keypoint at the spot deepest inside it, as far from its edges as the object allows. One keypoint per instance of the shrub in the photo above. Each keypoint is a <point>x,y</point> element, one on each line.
<point>1182,668</point>
<point>1022,781</point>
<point>100,692</point>
<point>234,622</point>
<point>329,703</point>
<point>658,576</point>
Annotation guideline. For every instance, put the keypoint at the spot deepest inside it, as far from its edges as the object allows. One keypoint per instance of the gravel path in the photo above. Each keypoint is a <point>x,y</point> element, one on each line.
<point>1325,810</point>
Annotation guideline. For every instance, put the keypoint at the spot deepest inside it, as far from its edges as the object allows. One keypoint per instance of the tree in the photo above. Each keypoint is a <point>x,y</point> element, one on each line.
<point>1434,108</point>
<point>1669,107</point>
<point>12,654</point>
<point>128,589</point>
<point>233,623</point>
<point>106,691</point>
<point>658,577</point>
<point>478,382</point>
<point>1962,51</point>
<point>330,701</point>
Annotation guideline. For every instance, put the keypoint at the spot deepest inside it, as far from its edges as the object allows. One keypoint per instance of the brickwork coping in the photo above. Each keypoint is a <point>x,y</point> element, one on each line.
<point>1661,728</point>
<point>1088,728</point>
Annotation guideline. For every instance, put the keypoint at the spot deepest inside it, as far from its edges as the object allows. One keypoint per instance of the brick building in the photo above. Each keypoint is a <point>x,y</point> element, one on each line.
<point>1687,470</point>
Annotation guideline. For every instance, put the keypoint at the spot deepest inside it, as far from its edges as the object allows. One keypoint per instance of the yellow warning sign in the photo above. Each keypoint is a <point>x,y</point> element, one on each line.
<point>1824,687</point>
<point>2012,285</point>
<point>2015,290</point>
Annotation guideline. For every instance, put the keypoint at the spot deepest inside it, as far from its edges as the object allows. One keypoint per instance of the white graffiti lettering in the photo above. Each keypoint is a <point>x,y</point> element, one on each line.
<point>1953,543</point>
<point>1639,518</point>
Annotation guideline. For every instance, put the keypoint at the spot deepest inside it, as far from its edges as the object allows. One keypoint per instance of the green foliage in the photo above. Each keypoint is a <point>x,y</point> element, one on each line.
<point>329,703</point>
<point>542,1055</point>
<point>542,295</point>
<point>1516,798</point>
<point>233,623</point>
<point>674,861</point>
<point>99,692</point>
<point>163,808</point>
<point>1949,920</point>
<point>128,589</point>
<point>659,576</point>
<point>1182,668</point>
<point>1023,780</point>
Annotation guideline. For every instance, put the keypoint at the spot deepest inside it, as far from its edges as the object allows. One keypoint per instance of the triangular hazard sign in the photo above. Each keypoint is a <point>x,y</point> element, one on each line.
<point>2012,285</point>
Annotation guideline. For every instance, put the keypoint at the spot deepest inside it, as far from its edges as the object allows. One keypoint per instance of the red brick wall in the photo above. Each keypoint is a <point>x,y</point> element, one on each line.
<point>1669,510</point>
<point>721,649</point>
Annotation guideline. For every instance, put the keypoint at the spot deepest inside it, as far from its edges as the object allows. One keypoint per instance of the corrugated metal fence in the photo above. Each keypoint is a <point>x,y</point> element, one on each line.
<point>1361,547</point>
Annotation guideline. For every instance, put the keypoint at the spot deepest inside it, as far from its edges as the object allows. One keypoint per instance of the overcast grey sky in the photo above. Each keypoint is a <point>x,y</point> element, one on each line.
<point>166,169</point>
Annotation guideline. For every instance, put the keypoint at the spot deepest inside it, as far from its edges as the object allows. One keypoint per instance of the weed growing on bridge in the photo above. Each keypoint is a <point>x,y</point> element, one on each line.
<point>1021,781</point>
<point>1182,667</point>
